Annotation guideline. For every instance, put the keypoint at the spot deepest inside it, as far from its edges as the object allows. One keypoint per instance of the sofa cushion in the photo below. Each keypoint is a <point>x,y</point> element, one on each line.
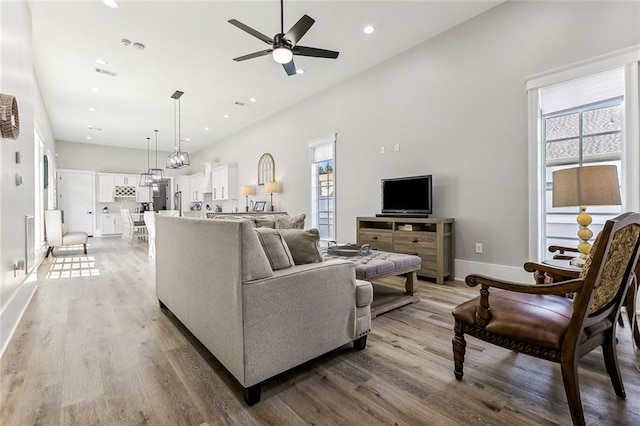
<point>290,222</point>
<point>275,248</point>
<point>304,245</point>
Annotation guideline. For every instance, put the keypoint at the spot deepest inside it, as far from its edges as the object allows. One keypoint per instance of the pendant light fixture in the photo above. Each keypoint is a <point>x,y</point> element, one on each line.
<point>146,179</point>
<point>156,174</point>
<point>179,158</point>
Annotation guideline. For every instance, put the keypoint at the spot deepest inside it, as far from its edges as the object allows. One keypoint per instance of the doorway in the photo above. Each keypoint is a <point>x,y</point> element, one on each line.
<point>76,197</point>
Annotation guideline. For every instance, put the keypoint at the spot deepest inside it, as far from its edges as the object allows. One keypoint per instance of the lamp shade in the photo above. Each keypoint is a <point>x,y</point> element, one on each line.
<point>247,190</point>
<point>586,186</point>
<point>271,187</point>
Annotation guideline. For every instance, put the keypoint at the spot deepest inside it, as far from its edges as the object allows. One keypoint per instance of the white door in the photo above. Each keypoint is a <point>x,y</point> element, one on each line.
<point>76,192</point>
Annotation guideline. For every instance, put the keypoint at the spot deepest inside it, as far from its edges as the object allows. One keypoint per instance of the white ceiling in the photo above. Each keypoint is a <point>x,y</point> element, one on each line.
<point>190,46</point>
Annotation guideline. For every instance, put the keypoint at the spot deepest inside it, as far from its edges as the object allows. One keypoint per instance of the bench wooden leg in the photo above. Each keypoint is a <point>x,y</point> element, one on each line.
<point>85,248</point>
<point>49,250</point>
<point>411,283</point>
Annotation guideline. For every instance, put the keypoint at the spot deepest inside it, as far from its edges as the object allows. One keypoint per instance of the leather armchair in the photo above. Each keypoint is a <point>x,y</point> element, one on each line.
<point>538,320</point>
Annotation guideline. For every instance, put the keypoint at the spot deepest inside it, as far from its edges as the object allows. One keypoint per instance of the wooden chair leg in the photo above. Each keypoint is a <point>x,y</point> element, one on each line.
<point>569,370</point>
<point>459,349</point>
<point>49,250</point>
<point>85,248</point>
<point>611,364</point>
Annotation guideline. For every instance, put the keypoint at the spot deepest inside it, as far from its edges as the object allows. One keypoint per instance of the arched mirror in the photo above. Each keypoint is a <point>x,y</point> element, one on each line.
<point>266,169</point>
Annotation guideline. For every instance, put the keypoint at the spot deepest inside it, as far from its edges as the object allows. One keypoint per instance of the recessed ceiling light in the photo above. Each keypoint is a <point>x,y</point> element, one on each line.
<point>88,137</point>
<point>226,116</point>
<point>110,3</point>
<point>101,61</point>
<point>187,140</point>
<point>299,71</point>
<point>95,89</point>
<point>206,128</point>
<point>90,126</point>
<point>252,99</point>
<point>92,109</point>
<point>369,29</point>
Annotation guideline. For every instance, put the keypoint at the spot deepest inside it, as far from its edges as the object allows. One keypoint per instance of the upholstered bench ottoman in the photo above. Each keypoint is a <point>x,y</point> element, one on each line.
<point>381,264</point>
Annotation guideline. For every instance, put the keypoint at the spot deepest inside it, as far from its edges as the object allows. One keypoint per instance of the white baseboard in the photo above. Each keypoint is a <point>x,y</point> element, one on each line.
<point>13,311</point>
<point>503,272</point>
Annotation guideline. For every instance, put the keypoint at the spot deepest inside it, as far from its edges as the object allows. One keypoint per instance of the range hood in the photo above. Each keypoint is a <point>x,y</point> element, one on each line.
<point>205,184</point>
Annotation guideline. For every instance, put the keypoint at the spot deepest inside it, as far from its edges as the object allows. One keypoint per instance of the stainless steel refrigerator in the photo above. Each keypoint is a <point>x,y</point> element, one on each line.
<point>161,194</point>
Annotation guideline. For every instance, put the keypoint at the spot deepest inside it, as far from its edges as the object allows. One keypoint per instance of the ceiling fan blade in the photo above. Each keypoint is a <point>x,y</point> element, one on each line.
<point>248,29</point>
<point>315,52</point>
<point>253,55</point>
<point>299,29</point>
<point>290,68</point>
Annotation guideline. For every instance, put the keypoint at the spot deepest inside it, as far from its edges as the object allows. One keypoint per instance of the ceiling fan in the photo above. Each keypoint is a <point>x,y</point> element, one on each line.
<point>285,45</point>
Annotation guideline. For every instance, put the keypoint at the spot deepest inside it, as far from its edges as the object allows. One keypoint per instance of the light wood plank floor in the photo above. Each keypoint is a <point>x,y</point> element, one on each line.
<point>94,348</point>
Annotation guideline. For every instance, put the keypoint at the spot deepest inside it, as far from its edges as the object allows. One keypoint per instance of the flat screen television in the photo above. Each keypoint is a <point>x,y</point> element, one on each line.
<point>407,196</point>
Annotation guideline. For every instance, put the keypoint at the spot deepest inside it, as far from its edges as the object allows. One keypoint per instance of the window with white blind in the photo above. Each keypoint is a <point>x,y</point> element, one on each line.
<point>580,136</point>
<point>322,159</point>
<point>582,115</point>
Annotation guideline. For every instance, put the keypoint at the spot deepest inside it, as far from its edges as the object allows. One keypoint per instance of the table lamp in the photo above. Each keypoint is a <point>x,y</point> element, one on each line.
<point>582,187</point>
<point>271,188</point>
<point>246,191</point>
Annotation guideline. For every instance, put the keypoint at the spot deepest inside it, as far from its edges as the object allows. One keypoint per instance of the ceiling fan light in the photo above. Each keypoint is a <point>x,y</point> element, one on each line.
<point>282,55</point>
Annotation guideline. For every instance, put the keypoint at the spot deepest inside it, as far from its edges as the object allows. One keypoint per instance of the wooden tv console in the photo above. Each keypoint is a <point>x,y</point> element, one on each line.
<point>430,238</point>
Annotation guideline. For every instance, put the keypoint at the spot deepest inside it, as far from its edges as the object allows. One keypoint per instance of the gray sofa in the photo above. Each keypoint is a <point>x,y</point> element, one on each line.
<point>214,276</point>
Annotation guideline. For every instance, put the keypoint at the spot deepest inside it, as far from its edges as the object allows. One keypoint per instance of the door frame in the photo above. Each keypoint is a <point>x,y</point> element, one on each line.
<point>90,173</point>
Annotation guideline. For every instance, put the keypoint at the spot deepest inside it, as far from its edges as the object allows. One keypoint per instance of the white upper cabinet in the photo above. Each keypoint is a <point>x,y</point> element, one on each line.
<point>224,182</point>
<point>107,187</point>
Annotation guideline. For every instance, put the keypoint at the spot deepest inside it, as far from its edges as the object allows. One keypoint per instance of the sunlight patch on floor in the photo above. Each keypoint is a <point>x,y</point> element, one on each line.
<point>72,267</point>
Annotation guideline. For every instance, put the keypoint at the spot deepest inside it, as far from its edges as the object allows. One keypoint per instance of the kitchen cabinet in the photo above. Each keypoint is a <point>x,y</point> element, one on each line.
<point>143,194</point>
<point>196,181</point>
<point>106,188</point>
<point>224,182</point>
<point>111,224</point>
<point>126,180</point>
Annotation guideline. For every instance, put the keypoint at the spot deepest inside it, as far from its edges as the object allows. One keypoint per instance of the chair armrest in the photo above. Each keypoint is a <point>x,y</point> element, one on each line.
<point>483,312</point>
<point>555,288</point>
<point>555,272</point>
<point>561,252</point>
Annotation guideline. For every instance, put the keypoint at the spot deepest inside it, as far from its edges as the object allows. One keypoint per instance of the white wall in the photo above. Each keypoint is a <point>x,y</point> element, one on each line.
<point>107,159</point>
<point>456,105</point>
<point>16,202</point>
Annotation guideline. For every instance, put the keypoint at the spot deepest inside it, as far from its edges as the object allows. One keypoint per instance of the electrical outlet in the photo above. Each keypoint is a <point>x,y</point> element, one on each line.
<point>479,248</point>
<point>382,150</point>
<point>397,147</point>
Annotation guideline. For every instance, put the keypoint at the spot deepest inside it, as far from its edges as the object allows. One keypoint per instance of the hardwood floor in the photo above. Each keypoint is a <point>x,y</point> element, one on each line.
<point>94,348</point>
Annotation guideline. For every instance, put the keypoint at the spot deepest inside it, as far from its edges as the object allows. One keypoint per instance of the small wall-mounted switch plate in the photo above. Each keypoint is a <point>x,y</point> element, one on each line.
<point>18,180</point>
<point>18,157</point>
<point>396,148</point>
<point>479,248</point>
<point>382,150</point>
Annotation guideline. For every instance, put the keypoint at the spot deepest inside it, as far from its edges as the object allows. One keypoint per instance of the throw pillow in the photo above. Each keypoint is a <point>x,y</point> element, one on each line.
<point>275,248</point>
<point>290,222</point>
<point>265,221</point>
<point>304,245</point>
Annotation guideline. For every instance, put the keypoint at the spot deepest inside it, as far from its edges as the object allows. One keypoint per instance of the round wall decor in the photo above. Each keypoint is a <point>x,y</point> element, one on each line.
<point>9,117</point>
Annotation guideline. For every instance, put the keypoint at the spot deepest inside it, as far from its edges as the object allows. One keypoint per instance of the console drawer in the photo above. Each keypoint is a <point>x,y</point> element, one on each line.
<point>377,239</point>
